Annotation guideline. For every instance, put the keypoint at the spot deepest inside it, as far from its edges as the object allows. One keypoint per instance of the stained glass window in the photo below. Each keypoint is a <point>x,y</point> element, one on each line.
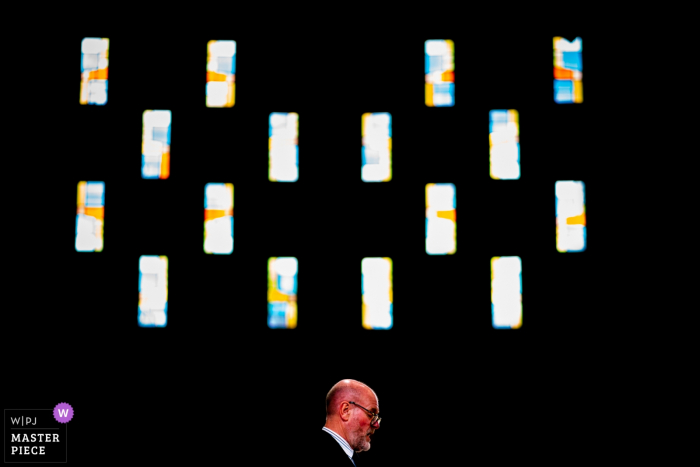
<point>506,292</point>
<point>568,69</point>
<point>221,73</point>
<point>282,275</point>
<point>377,293</point>
<point>153,291</point>
<point>376,147</point>
<point>94,67</point>
<point>570,202</point>
<point>439,73</point>
<point>504,142</point>
<point>218,218</point>
<point>283,149</point>
<point>89,221</point>
<point>155,146</point>
<point>440,219</point>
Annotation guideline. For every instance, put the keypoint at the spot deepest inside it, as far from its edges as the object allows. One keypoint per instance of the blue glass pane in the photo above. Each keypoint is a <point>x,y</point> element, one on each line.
<point>434,63</point>
<point>572,60</point>
<point>89,62</point>
<point>224,65</point>
<point>150,169</point>
<point>499,116</point>
<point>95,194</point>
<point>161,133</point>
<point>276,314</point>
<point>563,91</point>
<point>445,89</point>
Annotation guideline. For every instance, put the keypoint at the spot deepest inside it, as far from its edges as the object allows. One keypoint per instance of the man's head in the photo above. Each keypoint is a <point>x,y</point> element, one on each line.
<point>350,406</point>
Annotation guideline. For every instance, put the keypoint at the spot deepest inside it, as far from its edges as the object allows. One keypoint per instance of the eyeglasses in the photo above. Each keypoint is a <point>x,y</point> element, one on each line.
<point>375,418</point>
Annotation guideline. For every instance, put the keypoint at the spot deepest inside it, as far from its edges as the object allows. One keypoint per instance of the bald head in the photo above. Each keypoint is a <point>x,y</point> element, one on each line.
<point>346,390</point>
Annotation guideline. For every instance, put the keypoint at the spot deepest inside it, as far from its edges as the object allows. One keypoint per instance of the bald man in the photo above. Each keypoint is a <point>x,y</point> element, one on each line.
<point>352,417</point>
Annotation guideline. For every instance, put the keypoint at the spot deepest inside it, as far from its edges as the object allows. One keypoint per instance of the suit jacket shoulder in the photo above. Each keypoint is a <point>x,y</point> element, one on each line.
<point>326,452</point>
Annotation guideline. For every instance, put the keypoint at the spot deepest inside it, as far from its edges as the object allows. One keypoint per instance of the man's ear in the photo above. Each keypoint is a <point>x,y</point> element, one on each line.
<point>344,410</point>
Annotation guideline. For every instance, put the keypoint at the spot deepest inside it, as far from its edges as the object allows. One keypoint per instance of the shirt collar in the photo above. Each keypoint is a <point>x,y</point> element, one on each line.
<point>343,444</point>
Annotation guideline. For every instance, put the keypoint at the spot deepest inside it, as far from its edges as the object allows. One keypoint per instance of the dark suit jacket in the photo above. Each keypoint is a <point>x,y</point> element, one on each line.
<point>326,452</point>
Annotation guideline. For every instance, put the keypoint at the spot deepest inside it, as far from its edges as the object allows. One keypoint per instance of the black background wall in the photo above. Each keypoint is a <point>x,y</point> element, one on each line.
<point>216,383</point>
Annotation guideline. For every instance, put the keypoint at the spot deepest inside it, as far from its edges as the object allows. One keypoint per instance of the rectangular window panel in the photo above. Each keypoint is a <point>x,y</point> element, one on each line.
<point>568,78</point>
<point>377,293</point>
<point>504,143</point>
<point>221,73</point>
<point>218,218</point>
<point>283,148</point>
<point>439,73</point>
<point>440,219</point>
<point>153,291</point>
<point>506,292</point>
<point>376,147</point>
<point>571,216</point>
<point>94,66</point>
<point>155,146</point>
<point>282,292</point>
<point>89,222</point>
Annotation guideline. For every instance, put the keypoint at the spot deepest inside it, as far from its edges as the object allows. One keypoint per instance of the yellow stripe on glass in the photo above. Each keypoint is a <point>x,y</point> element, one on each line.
<point>377,293</point>
<point>221,73</point>
<point>506,292</point>
<point>282,275</point>
<point>570,204</point>
<point>153,291</point>
<point>440,219</point>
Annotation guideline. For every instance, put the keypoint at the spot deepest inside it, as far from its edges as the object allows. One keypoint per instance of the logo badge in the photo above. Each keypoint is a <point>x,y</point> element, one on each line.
<point>63,413</point>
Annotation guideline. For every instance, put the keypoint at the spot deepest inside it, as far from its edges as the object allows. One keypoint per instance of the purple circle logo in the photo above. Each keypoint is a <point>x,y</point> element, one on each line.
<point>63,413</point>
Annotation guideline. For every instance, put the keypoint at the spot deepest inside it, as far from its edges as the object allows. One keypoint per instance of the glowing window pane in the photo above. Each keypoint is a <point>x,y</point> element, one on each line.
<point>568,67</point>
<point>506,292</point>
<point>570,205</point>
<point>94,65</point>
<point>376,147</point>
<point>89,222</point>
<point>440,219</point>
<point>155,146</point>
<point>282,292</point>
<point>439,73</point>
<point>283,147</point>
<point>221,73</point>
<point>504,142</point>
<point>153,291</point>
<point>218,218</point>
<point>377,293</point>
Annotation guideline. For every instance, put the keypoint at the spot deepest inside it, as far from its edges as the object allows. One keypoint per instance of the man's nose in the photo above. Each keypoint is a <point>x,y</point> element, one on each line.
<point>374,425</point>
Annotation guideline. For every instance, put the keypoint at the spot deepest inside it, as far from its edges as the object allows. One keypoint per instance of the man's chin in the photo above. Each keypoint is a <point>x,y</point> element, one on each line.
<point>362,446</point>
